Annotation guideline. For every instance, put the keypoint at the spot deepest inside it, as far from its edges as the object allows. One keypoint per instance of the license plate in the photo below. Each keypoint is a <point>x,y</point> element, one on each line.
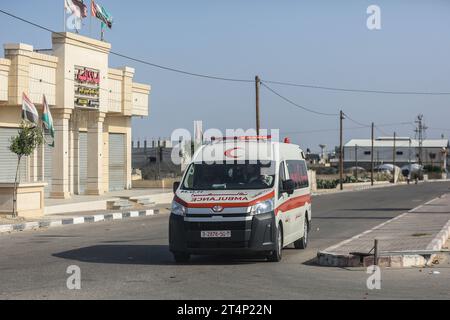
<point>215,234</point>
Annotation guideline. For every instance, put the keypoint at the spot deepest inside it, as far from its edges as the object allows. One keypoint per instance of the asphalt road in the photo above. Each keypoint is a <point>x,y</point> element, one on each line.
<point>129,259</point>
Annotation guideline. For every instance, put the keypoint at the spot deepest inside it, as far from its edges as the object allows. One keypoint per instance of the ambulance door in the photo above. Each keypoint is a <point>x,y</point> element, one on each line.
<point>298,173</point>
<point>283,199</point>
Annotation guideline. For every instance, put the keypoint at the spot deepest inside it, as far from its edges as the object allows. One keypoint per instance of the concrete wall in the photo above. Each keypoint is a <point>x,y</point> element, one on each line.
<point>4,73</point>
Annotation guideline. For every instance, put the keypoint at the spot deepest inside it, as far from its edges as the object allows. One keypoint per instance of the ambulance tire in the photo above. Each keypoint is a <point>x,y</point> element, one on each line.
<point>181,257</point>
<point>302,243</point>
<point>276,255</point>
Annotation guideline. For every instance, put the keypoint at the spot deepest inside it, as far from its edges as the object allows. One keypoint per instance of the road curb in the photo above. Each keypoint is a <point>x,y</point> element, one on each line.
<point>379,186</point>
<point>35,225</point>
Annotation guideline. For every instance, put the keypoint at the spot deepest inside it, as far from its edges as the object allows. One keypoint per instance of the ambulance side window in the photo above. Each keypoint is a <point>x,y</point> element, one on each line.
<point>281,178</point>
<point>298,173</point>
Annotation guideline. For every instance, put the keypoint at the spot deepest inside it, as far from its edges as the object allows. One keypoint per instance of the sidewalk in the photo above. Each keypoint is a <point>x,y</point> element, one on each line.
<point>88,209</point>
<point>411,239</point>
<point>89,203</point>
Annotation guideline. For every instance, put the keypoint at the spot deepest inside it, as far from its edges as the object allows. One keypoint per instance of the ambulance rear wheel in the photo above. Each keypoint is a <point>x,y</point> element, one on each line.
<point>275,256</point>
<point>302,243</point>
<point>181,257</point>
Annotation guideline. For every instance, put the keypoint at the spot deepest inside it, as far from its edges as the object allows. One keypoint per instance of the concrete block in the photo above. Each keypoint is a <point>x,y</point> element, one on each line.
<point>6,228</point>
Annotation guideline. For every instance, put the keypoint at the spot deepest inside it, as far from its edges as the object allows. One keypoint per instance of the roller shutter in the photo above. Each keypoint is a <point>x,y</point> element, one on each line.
<point>82,165</point>
<point>8,160</point>
<point>48,160</point>
<point>116,162</point>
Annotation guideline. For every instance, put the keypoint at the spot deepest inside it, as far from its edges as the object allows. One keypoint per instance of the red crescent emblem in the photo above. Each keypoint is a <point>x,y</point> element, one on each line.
<point>229,154</point>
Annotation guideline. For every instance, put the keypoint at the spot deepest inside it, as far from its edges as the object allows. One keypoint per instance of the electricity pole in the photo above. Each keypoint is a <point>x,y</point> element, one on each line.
<point>257,83</point>
<point>420,130</point>
<point>394,151</point>
<point>341,151</point>
<point>371,156</point>
<point>356,162</point>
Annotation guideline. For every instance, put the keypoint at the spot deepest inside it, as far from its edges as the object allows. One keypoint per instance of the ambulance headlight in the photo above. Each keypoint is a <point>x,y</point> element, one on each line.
<point>262,207</point>
<point>178,209</point>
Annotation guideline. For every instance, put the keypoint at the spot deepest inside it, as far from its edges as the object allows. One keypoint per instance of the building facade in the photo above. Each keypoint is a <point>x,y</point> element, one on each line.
<point>92,106</point>
<point>433,152</point>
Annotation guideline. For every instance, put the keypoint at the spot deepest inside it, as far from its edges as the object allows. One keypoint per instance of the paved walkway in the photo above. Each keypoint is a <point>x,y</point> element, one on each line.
<point>411,236</point>
<point>113,194</point>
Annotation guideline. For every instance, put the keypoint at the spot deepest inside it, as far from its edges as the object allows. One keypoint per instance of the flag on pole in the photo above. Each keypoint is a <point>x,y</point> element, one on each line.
<point>29,112</point>
<point>100,13</point>
<point>76,7</point>
<point>47,121</point>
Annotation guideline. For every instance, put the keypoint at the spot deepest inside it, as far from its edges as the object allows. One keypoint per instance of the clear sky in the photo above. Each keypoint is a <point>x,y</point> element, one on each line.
<point>314,42</point>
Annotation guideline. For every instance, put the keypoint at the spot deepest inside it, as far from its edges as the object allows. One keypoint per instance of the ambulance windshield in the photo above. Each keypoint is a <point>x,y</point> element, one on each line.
<point>230,176</point>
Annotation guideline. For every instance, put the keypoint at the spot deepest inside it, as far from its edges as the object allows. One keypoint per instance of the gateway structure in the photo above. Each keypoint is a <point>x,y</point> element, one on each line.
<point>92,106</point>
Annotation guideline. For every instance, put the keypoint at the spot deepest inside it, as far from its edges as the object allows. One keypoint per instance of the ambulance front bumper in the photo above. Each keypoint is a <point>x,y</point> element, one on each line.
<point>249,234</point>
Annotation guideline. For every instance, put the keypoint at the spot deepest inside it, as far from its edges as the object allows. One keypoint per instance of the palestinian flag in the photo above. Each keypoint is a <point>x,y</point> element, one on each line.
<point>29,112</point>
<point>100,13</point>
<point>47,121</point>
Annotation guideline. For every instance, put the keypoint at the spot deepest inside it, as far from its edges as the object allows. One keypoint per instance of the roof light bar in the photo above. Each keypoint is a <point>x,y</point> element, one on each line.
<point>242,138</point>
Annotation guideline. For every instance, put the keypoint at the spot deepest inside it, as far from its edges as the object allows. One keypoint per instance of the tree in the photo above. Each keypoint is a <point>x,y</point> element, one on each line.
<point>28,139</point>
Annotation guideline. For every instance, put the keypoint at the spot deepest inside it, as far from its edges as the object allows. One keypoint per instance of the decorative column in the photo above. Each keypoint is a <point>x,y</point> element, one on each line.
<point>95,153</point>
<point>75,163</point>
<point>60,164</point>
<point>128,152</point>
<point>19,54</point>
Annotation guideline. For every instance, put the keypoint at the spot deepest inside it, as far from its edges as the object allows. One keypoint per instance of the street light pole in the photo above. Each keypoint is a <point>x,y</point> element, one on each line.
<point>257,83</point>
<point>394,151</point>
<point>371,156</point>
<point>341,151</point>
<point>356,162</point>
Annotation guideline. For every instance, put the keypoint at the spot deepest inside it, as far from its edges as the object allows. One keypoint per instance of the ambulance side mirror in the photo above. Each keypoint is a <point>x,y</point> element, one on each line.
<point>289,186</point>
<point>176,184</point>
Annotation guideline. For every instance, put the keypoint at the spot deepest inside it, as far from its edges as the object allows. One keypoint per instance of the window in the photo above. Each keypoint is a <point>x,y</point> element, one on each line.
<point>367,153</point>
<point>432,156</point>
<point>399,153</point>
<point>298,173</point>
<point>281,178</point>
<point>229,176</point>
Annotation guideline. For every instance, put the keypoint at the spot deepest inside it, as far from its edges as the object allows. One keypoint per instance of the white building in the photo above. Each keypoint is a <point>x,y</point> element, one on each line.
<point>407,150</point>
<point>92,106</point>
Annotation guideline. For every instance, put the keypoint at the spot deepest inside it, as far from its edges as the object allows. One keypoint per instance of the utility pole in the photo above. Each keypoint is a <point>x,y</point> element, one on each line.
<point>341,151</point>
<point>394,151</point>
<point>420,131</point>
<point>371,156</point>
<point>257,83</point>
<point>356,162</point>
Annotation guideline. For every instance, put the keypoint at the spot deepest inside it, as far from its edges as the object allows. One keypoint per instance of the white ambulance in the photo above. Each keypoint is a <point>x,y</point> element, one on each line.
<point>241,195</point>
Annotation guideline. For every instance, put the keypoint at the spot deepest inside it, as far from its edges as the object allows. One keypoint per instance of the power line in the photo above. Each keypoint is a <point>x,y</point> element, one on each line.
<point>298,105</point>
<point>319,130</point>
<point>356,122</point>
<point>310,86</point>
<point>213,77</point>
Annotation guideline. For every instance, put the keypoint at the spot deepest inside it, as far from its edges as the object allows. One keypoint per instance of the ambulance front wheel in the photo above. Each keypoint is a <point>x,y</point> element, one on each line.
<point>181,257</point>
<point>275,256</point>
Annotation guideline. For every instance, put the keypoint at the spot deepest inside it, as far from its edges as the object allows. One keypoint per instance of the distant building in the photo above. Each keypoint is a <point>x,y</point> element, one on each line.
<point>407,150</point>
<point>154,159</point>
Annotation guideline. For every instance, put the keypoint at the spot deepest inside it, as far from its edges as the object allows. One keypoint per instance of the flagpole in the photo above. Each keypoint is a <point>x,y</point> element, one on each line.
<point>64,11</point>
<point>90,20</point>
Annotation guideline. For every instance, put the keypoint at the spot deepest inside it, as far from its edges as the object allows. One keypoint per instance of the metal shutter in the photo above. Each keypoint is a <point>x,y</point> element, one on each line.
<point>8,160</point>
<point>116,161</point>
<point>48,160</point>
<point>82,164</point>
